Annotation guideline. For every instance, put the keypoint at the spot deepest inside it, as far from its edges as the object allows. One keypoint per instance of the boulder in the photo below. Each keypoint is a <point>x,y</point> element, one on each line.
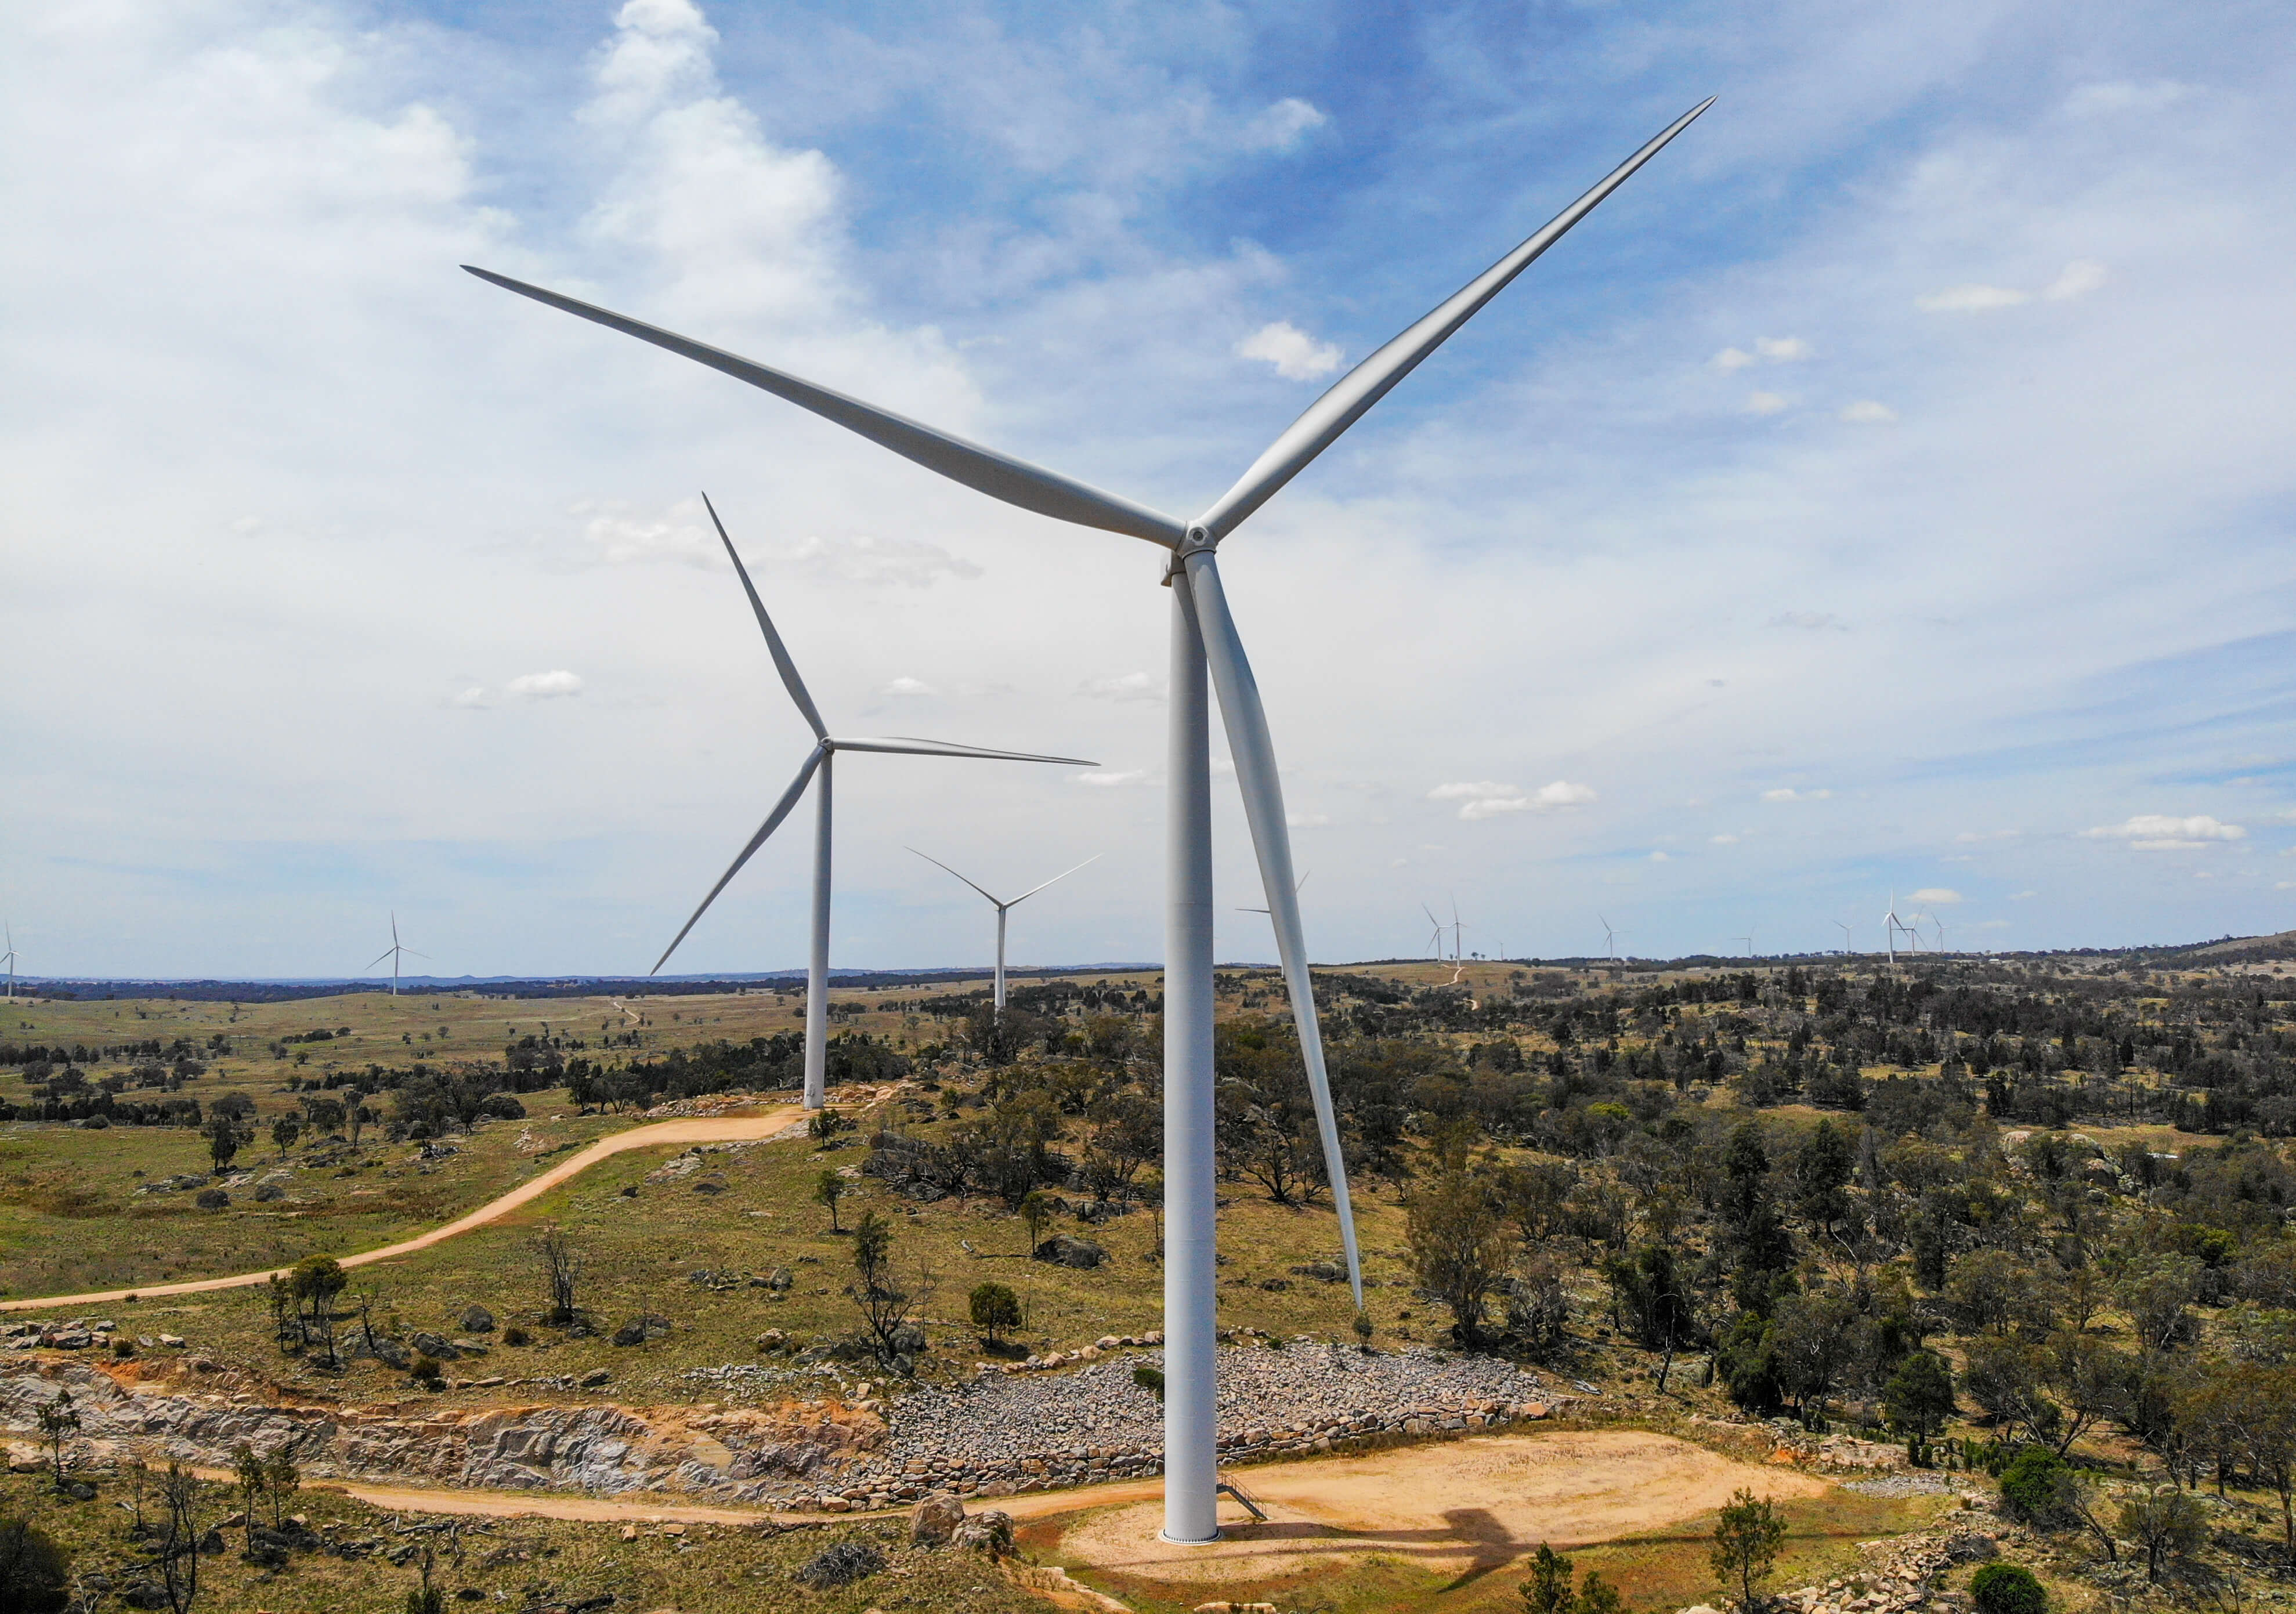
<point>212,1199</point>
<point>435,1345</point>
<point>592,1379</point>
<point>269,1193</point>
<point>1063,1249</point>
<point>478,1320</point>
<point>936,1519</point>
<point>1970,1546</point>
<point>143,1594</point>
<point>989,1531</point>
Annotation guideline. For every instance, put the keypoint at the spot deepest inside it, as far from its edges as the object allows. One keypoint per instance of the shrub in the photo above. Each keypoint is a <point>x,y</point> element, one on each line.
<point>995,1309</point>
<point>2034,1486</point>
<point>2007,1588</point>
<point>841,1565</point>
<point>1151,1378</point>
<point>515,1335</point>
<point>35,1573</point>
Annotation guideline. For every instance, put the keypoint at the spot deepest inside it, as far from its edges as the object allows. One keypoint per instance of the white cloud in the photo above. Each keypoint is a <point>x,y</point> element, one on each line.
<point>1732,358</point>
<point>1282,125</point>
<point>2161,833</point>
<point>1487,798</point>
<point>2078,279</point>
<point>545,686</point>
<point>1662,856</point>
<point>1725,839</point>
<point>1110,779</point>
<point>1809,620</point>
<point>1306,821</point>
<point>872,562</point>
<point>1784,349</point>
<point>1972,300</point>
<point>2023,895</point>
<point>1764,403</point>
<point>619,535</point>
<point>1971,837</point>
<point>1866,412</point>
<point>473,699</point>
<point>1936,896</point>
<point>1785,793</point>
<point>1297,356</point>
<point>2091,100</point>
<point>1124,686</point>
<point>907,686</point>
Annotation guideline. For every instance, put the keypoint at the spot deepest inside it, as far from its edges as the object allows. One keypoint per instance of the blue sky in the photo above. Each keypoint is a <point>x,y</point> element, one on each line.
<point>1886,490</point>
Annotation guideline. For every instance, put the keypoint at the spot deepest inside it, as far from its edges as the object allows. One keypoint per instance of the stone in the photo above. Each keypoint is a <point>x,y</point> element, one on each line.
<point>592,1379</point>
<point>936,1518</point>
<point>1063,1249</point>
<point>477,1320</point>
<point>212,1199</point>
<point>436,1347</point>
<point>989,1531</point>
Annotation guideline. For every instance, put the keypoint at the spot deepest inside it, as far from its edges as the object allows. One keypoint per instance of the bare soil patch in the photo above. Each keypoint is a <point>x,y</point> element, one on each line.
<point>1451,1508</point>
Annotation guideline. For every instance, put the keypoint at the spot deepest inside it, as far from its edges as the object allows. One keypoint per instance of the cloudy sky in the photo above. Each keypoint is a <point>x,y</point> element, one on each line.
<point>1887,490</point>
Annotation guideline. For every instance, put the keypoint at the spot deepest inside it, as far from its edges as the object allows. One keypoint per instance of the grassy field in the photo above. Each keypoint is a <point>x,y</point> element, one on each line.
<point>528,1562</point>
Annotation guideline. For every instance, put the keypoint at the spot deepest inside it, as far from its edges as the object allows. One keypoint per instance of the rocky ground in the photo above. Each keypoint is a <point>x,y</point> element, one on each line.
<point>1904,1576</point>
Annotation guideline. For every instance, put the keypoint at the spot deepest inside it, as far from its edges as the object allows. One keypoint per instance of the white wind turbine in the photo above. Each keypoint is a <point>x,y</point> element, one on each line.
<point>1004,908</point>
<point>1890,926</point>
<point>1610,938</point>
<point>392,953</point>
<point>818,764</point>
<point>1296,886</point>
<point>1842,925</point>
<point>1435,940</point>
<point>12,964</point>
<point>1204,641</point>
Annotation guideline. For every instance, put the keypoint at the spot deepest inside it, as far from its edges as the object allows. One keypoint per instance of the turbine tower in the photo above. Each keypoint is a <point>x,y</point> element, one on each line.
<point>392,953</point>
<point>1610,938</point>
<point>818,763</point>
<point>1207,653</point>
<point>1004,908</point>
<point>1890,926</point>
<point>12,964</point>
<point>1435,940</point>
<point>1842,925</point>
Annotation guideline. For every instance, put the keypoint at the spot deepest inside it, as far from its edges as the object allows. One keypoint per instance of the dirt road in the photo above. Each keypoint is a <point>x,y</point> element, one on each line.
<point>746,1128</point>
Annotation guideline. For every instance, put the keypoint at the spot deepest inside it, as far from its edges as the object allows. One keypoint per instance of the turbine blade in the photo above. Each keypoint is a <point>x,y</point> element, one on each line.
<point>1000,476</point>
<point>1055,880</point>
<point>1365,385</point>
<point>411,952</point>
<point>937,863</point>
<point>905,745</point>
<point>781,662</point>
<point>1254,753</point>
<point>773,822</point>
<point>379,957</point>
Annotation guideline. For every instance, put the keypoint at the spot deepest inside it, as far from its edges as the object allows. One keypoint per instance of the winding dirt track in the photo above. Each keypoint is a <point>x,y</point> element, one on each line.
<point>733,1129</point>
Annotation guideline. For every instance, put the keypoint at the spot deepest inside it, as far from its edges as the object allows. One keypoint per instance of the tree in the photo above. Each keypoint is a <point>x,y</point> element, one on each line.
<point>1458,1246</point>
<point>1918,1399</point>
<point>1548,1589</point>
<point>250,1472</point>
<point>179,1538</point>
<point>1823,1165</point>
<point>995,1310</point>
<point>828,1189</point>
<point>224,1138</point>
<point>1037,1212</point>
<point>562,1269</point>
<point>315,1283</point>
<point>354,1112</point>
<point>2040,1488</point>
<point>35,1573</point>
<point>884,1303</point>
<point>281,1481</point>
<point>284,1131</point>
<point>1746,1542</point>
<point>58,1423</point>
<point>2168,1524</point>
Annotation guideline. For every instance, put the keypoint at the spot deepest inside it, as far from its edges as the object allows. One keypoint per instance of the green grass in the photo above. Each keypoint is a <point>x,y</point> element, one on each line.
<point>708,1570</point>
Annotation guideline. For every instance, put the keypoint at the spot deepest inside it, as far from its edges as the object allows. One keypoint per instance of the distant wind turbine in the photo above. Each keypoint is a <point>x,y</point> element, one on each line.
<point>1296,886</point>
<point>1750,944</point>
<point>12,964</point>
<point>1842,925</point>
<point>1890,926</point>
<point>1611,937</point>
<point>392,953</point>
<point>1004,908</point>
<point>818,761</point>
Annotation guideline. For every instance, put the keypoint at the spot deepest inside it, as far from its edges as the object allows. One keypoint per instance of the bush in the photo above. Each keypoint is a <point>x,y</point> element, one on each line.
<point>841,1565</point>
<point>2036,1485</point>
<point>1150,1379</point>
<point>2007,1588</point>
<point>35,1574</point>
<point>515,1335</point>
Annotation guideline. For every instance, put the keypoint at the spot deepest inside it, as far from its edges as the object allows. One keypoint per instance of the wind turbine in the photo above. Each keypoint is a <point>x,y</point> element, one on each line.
<point>1842,925</point>
<point>1296,886</point>
<point>1436,940</point>
<point>392,953</point>
<point>1004,908</point>
<point>1204,645</point>
<point>12,963</point>
<point>1890,926</point>
<point>818,762</point>
<point>1610,938</point>
<point>1750,944</point>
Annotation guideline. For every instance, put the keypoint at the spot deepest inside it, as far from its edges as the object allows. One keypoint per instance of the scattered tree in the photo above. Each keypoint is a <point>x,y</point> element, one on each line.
<point>1458,1246</point>
<point>996,1308</point>
<point>2007,1588</point>
<point>1746,1542</point>
<point>561,1270</point>
<point>829,1189</point>
<point>1918,1399</point>
<point>224,1138</point>
<point>284,1131</point>
<point>59,1421</point>
<point>2169,1526</point>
